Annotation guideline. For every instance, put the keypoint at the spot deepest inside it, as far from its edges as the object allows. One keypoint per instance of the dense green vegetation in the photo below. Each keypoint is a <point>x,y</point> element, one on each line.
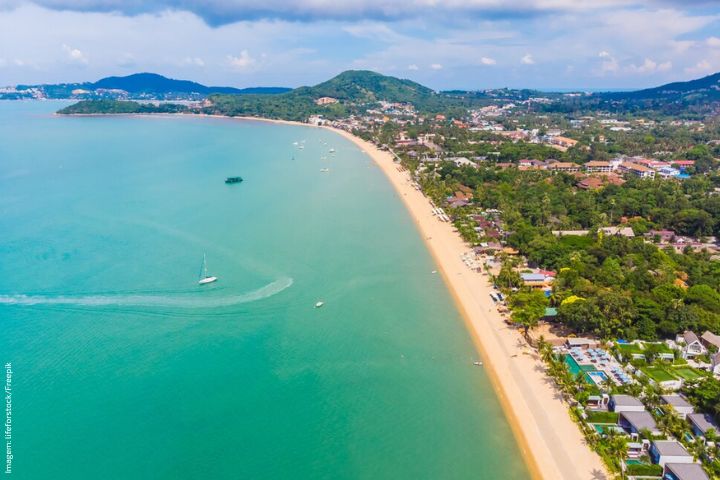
<point>91,107</point>
<point>610,286</point>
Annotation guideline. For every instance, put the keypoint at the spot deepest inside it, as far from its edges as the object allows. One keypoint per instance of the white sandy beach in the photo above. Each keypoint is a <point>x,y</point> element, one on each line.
<point>552,444</point>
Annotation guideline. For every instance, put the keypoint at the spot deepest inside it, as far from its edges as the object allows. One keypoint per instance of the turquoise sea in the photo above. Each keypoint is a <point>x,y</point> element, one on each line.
<point>125,368</point>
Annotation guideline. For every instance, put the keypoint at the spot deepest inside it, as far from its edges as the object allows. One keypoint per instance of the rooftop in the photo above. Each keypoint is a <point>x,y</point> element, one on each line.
<point>690,337</point>
<point>626,401</point>
<point>675,400</point>
<point>671,448</point>
<point>687,471</point>
<point>640,420</point>
<point>711,338</point>
<point>703,421</point>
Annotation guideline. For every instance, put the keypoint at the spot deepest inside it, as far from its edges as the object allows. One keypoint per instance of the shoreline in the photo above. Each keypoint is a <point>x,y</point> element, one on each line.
<point>552,446</point>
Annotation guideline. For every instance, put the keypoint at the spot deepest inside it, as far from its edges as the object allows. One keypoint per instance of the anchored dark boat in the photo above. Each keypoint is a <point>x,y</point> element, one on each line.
<point>233,179</point>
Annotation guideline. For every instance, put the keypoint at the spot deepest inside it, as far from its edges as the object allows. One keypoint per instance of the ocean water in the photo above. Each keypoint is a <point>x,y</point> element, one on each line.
<point>125,368</point>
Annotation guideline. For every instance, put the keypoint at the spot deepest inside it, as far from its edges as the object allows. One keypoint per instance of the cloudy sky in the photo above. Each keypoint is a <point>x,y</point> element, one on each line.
<point>444,44</point>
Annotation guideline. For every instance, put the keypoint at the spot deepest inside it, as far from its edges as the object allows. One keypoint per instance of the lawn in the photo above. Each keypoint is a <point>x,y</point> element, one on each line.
<point>658,374</point>
<point>686,373</point>
<point>630,348</point>
<point>602,417</point>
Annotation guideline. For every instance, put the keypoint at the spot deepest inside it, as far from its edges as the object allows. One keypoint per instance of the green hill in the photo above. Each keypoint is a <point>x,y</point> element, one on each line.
<point>706,87</point>
<point>365,86</point>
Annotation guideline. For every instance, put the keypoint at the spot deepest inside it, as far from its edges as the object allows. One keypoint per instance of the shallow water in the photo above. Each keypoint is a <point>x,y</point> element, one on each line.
<point>124,367</point>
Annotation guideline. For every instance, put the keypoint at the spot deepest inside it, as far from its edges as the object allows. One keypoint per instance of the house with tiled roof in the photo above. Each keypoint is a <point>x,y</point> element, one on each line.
<point>636,169</point>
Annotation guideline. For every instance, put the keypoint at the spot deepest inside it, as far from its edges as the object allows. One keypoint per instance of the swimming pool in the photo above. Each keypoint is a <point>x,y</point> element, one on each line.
<point>593,376</point>
<point>597,376</point>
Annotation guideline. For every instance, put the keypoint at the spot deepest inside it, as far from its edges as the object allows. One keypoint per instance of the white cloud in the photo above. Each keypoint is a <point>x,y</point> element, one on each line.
<point>609,63</point>
<point>487,61</point>
<point>242,61</point>
<point>436,66</point>
<point>649,66</point>
<point>193,62</point>
<point>413,67</point>
<point>703,66</point>
<point>527,59</point>
<point>75,55</point>
<point>713,42</point>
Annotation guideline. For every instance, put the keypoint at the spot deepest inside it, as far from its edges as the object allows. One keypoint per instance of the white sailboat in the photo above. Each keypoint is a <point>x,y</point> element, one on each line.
<point>204,277</point>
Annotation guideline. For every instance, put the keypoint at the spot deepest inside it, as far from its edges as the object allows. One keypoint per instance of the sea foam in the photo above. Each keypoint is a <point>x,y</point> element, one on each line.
<point>195,300</point>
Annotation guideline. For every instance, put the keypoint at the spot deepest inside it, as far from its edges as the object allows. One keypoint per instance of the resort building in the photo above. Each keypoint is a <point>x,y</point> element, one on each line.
<point>634,422</point>
<point>622,231</point>
<point>578,342</point>
<point>692,345</point>
<point>679,404</point>
<point>710,340</point>
<point>669,451</point>
<point>536,280</point>
<point>626,403</point>
<point>564,142</point>
<point>684,471</point>
<point>567,167</point>
<point>636,169</point>
<point>701,423</point>
<point>596,166</point>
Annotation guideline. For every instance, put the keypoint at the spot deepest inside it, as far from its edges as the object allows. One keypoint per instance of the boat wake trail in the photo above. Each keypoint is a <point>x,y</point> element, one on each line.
<point>194,300</point>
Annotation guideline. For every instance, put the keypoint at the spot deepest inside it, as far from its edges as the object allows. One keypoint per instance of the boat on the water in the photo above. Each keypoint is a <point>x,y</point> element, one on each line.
<point>319,304</point>
<point>204,277</point>
<point>332,150</point>
<point>324,170</point>
<point>233,179</point>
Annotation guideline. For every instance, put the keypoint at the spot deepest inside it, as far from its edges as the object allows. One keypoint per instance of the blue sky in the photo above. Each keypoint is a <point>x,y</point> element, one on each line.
<point>444,44</point>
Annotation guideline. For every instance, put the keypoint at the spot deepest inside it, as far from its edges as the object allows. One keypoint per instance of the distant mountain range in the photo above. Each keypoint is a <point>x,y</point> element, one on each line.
<point>702,89</point>
<point>137,86</point>
<point>154,83</point>
<point>353,91</point>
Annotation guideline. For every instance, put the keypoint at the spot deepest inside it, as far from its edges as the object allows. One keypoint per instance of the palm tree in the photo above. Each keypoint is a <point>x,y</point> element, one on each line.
<point>616,445</point>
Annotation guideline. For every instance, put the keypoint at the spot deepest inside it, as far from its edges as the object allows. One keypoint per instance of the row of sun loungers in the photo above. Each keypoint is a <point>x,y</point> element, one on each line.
<point>438,212</point>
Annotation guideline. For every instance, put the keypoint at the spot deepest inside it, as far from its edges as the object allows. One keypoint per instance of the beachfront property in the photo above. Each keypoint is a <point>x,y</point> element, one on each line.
<point>626,403</point>
<point>679,404</point>
<point>537,280</point>
<point>684,471</point>
<point>635,422</point>
<point>669,451</point>
<point>701,423</point>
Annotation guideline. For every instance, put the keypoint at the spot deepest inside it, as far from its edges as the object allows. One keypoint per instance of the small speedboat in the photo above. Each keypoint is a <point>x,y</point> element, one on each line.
<point>319,304</point>
<point>324,170</point>
<point>477,364</point>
